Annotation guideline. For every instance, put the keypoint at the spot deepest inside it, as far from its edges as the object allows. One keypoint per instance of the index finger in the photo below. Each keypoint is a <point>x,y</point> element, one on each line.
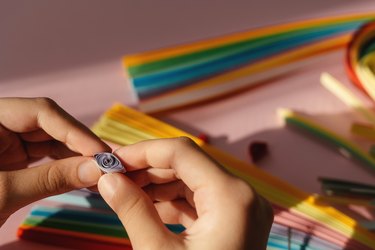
<point>29,114</point>
<point>190,163</point>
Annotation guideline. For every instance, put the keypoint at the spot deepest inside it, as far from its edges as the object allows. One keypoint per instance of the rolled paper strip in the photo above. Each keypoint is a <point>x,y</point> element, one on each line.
<point>359,54</point>
<point>109,163</point>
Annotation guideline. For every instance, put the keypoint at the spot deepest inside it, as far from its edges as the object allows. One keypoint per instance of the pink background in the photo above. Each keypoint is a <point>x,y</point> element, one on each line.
<point>71,50</point>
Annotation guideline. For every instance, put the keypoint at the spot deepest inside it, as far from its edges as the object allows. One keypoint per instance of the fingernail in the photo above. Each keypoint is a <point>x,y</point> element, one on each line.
<point>88,173</point>
<point>107,186</point>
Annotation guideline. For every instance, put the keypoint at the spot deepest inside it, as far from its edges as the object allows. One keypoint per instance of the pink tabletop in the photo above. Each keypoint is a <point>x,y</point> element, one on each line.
<point>71,50</point>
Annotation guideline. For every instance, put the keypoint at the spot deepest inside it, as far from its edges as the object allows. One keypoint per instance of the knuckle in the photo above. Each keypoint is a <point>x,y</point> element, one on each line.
<point>52,181</point>
<point>46,106</point>
<point>184,142</point>
<point>46,103</point>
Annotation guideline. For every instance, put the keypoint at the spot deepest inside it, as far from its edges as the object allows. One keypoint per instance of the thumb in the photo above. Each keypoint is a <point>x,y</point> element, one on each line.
<point>135,210</point>
<point>28,185</point>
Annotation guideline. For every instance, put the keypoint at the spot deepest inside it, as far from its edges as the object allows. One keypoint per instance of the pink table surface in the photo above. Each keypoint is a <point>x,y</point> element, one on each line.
<point>71,50</point>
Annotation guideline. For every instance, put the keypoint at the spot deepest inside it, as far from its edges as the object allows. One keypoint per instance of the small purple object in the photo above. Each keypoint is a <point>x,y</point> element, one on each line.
<point>109,163</point>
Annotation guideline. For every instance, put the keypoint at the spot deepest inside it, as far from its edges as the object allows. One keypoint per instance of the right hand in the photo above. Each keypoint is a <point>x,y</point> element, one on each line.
<point>173,181</point>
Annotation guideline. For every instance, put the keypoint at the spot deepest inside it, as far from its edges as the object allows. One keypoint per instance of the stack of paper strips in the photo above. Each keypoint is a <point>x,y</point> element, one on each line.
<point>302,221</point>
<point>187,74</point>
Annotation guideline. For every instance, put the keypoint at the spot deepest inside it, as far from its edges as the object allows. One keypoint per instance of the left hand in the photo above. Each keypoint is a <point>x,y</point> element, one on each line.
<point>30,129</point>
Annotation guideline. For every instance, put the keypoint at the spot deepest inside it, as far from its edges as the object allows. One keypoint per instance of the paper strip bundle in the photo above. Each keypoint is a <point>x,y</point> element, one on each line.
<point>187,74</point>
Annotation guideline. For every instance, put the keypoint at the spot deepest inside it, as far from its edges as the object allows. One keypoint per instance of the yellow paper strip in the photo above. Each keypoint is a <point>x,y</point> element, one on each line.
<point>346,96</point>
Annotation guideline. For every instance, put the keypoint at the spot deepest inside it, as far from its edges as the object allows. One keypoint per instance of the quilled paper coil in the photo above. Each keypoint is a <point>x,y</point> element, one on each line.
<point>109,163</point>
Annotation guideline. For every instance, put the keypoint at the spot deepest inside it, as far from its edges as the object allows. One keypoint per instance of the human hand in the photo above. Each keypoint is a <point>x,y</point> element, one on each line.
<point>30,129</point>
<point>182,185</point>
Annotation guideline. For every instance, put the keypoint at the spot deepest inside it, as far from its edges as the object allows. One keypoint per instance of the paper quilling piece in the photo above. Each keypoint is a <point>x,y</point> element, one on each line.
<point>109,163</point>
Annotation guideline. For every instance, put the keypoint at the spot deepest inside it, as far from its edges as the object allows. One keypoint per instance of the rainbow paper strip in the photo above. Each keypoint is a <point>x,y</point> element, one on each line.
<point>103,230</point>
<point>103,227</point>
<point>187,74</point>
<point>282,217</point>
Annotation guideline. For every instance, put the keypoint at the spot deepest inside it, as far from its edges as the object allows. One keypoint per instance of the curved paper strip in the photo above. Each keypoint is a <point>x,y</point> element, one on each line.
<point>357,50</point>
<point>295,119</point>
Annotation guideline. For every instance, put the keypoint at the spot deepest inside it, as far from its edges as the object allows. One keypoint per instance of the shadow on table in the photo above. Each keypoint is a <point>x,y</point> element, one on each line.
<point>299,158</point>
